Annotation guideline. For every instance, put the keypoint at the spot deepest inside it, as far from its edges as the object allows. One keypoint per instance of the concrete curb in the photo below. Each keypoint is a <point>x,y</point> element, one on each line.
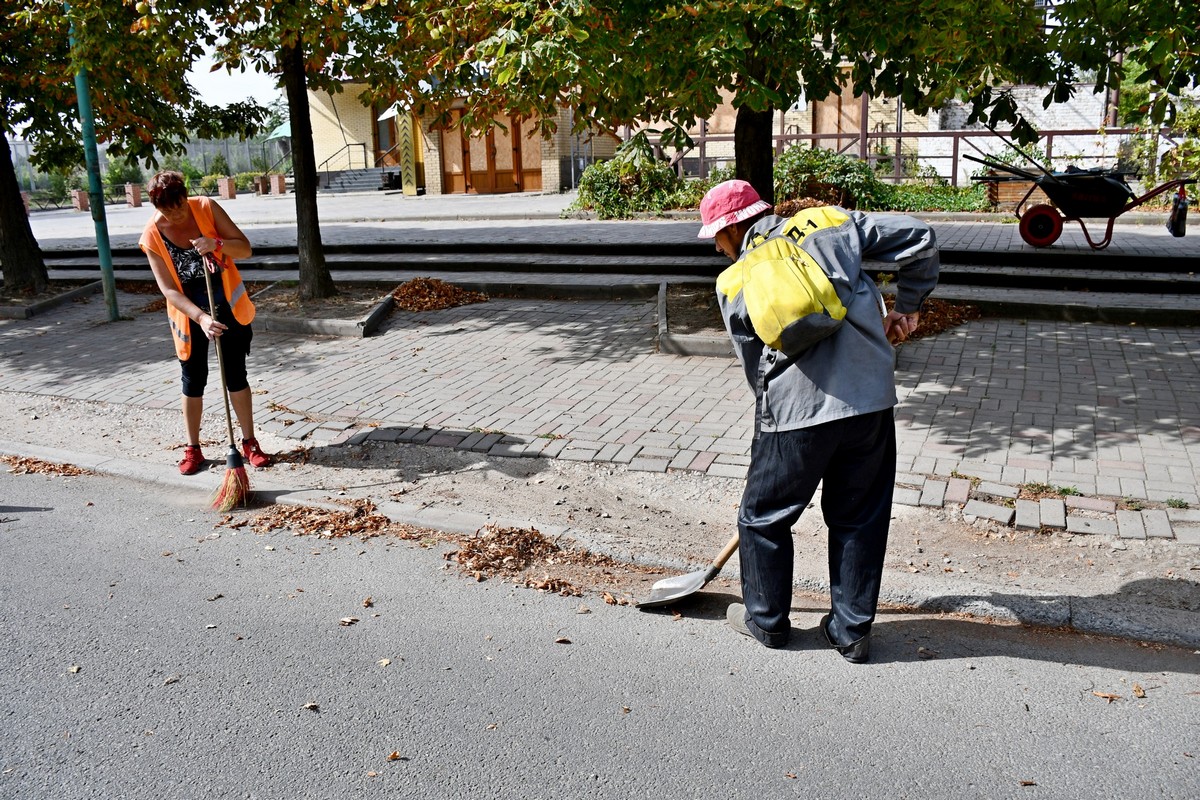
<point>350,328</point>
<point>25,312</point>
<point>1124,615</point>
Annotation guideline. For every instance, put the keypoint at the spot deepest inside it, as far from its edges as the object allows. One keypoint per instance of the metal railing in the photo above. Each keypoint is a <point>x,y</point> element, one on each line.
<point>895,152</point>
<point>285,157</point>
<point>348,151</point>
<point>379,159</point>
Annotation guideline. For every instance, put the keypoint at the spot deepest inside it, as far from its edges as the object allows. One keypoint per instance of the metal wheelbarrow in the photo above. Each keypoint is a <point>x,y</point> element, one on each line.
<point>1075,194</point>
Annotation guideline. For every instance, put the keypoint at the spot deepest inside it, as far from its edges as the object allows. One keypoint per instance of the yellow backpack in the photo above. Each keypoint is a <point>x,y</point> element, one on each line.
<point>792,300</point>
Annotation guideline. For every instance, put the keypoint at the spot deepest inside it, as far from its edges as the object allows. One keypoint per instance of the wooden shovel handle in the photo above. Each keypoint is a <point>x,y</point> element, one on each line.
<point>726,553</point>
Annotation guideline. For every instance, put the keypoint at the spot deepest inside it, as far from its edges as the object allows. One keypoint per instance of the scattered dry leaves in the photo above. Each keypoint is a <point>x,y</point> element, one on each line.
<point>503,551</point>
<point>1109,696</point>
<point>431,294</point>
<point>790,208</point>
<point>1138,691</point>
<point>298,456</point>
<point>533,561</point>
<point>33,466</point>
<point>939,315</point>
<point>360,521</point>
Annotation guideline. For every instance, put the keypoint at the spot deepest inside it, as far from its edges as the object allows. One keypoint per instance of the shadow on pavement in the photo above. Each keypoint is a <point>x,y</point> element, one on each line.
<point>568,332</point>
<point>1048,390</point>
<point>902,635</point>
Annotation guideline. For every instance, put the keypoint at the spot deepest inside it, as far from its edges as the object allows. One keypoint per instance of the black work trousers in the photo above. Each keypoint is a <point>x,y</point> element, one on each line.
<point>854,460</point>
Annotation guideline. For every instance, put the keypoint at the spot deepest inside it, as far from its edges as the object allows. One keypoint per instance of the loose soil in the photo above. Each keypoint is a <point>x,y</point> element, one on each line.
<point>56,288</point>
<point>353,301</point>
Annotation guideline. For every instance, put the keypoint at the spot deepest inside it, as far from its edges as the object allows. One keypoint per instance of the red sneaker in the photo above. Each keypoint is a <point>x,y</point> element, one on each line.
<point>254,454</point>
<point>193,460</point>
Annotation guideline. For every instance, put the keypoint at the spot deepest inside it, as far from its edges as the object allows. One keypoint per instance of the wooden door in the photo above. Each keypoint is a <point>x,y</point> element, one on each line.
<point>492,162</point>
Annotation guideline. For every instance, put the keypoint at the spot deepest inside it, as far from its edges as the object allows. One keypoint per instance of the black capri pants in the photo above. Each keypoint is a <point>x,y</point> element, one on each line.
<point>235,346</point>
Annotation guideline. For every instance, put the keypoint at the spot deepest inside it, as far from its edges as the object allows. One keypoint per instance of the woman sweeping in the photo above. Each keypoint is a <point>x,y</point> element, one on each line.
<point>185,237</point>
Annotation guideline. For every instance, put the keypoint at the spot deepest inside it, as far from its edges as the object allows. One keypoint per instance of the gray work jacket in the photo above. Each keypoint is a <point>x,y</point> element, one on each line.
<point>850,372</point>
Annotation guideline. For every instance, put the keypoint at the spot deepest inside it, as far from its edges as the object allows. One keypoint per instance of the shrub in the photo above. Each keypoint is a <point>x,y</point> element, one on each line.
<point>183,165</point>
<point>245,180</point>
<point>121,171</point>
<point>828,176</point>
<point>219,166</point>
<point>614,192</point>
<point>692,190</point>
<point>208,183</point>
<point>925,196</point>
<point>61,183</point>
<point>632,181</point>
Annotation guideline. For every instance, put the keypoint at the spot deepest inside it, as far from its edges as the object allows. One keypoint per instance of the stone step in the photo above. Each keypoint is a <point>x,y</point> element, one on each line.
<point>1004,277</point>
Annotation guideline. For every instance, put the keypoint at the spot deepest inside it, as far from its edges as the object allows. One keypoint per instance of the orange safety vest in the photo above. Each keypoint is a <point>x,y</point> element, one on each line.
<point>231,279</point>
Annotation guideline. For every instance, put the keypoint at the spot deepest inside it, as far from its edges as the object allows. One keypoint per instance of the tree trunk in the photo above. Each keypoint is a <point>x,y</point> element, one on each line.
<point>20,257</point>
<point>315,280</point>
<point>753,152</point>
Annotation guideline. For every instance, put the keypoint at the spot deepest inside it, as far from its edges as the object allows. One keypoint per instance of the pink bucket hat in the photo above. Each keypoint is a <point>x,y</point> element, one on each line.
<point>728,203</point>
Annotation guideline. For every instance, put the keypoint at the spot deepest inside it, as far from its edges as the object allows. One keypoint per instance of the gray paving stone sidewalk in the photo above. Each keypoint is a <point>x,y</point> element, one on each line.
<point>1104,418</point>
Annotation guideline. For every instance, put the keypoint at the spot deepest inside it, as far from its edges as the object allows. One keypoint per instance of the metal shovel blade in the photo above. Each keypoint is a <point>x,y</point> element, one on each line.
<point>668,590</point>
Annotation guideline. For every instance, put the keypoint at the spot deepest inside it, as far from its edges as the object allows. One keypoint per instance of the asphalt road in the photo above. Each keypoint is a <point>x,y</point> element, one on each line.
<point>146,654</point>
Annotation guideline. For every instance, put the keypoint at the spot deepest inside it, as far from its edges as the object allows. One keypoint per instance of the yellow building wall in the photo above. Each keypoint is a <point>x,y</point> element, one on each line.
<point>338,120</point>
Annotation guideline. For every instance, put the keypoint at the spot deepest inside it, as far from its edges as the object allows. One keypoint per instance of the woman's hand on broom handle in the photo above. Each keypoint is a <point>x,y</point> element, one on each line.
<point>212,329</point>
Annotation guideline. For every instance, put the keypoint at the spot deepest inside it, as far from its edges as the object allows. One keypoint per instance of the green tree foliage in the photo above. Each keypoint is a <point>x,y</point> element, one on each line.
<point>219,165</point>
<point>123,59</point>
<point>305,44</point>
<point>121,171</point>
<point>619,61</point>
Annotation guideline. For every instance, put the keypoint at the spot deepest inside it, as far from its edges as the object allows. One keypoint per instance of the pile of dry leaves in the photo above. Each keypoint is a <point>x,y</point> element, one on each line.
<point>359,521</point>
<point>34,466</point>
<point>521,553</point>
<point>431,294</point>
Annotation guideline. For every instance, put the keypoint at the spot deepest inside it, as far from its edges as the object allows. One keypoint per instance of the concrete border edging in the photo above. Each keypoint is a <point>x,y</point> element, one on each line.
<point>25,312</point>
<point>684,344</point>
<point>349,328</point>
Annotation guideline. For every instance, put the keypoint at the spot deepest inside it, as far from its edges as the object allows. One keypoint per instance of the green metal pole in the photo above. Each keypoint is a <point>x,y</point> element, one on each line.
<point>95,190</point>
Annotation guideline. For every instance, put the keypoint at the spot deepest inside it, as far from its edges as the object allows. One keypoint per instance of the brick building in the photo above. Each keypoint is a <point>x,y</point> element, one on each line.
<point>350,135</point>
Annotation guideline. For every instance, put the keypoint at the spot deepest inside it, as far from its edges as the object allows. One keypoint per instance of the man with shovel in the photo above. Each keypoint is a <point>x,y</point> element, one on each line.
<point>809,328</point>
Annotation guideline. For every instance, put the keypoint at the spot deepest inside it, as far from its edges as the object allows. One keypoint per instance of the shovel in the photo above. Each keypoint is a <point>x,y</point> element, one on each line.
<point>668,590</point>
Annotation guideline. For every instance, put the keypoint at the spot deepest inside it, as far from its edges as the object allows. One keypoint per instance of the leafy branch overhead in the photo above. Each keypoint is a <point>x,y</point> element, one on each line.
<point>618,61</point>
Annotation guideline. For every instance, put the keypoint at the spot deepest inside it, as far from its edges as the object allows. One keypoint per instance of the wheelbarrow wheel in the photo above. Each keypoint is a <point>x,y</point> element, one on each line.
<point>1041,225</point>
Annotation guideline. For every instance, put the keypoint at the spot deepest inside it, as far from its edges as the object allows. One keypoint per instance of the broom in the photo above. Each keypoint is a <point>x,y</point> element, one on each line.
<point>235,487</point>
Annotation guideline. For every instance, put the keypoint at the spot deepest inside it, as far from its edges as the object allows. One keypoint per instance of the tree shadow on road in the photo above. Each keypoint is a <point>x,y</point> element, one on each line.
<point>1050,390</point>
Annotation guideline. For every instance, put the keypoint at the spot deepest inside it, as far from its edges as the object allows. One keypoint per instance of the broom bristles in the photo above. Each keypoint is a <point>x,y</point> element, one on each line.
<point>233,491</point>
<point>235,487</point>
